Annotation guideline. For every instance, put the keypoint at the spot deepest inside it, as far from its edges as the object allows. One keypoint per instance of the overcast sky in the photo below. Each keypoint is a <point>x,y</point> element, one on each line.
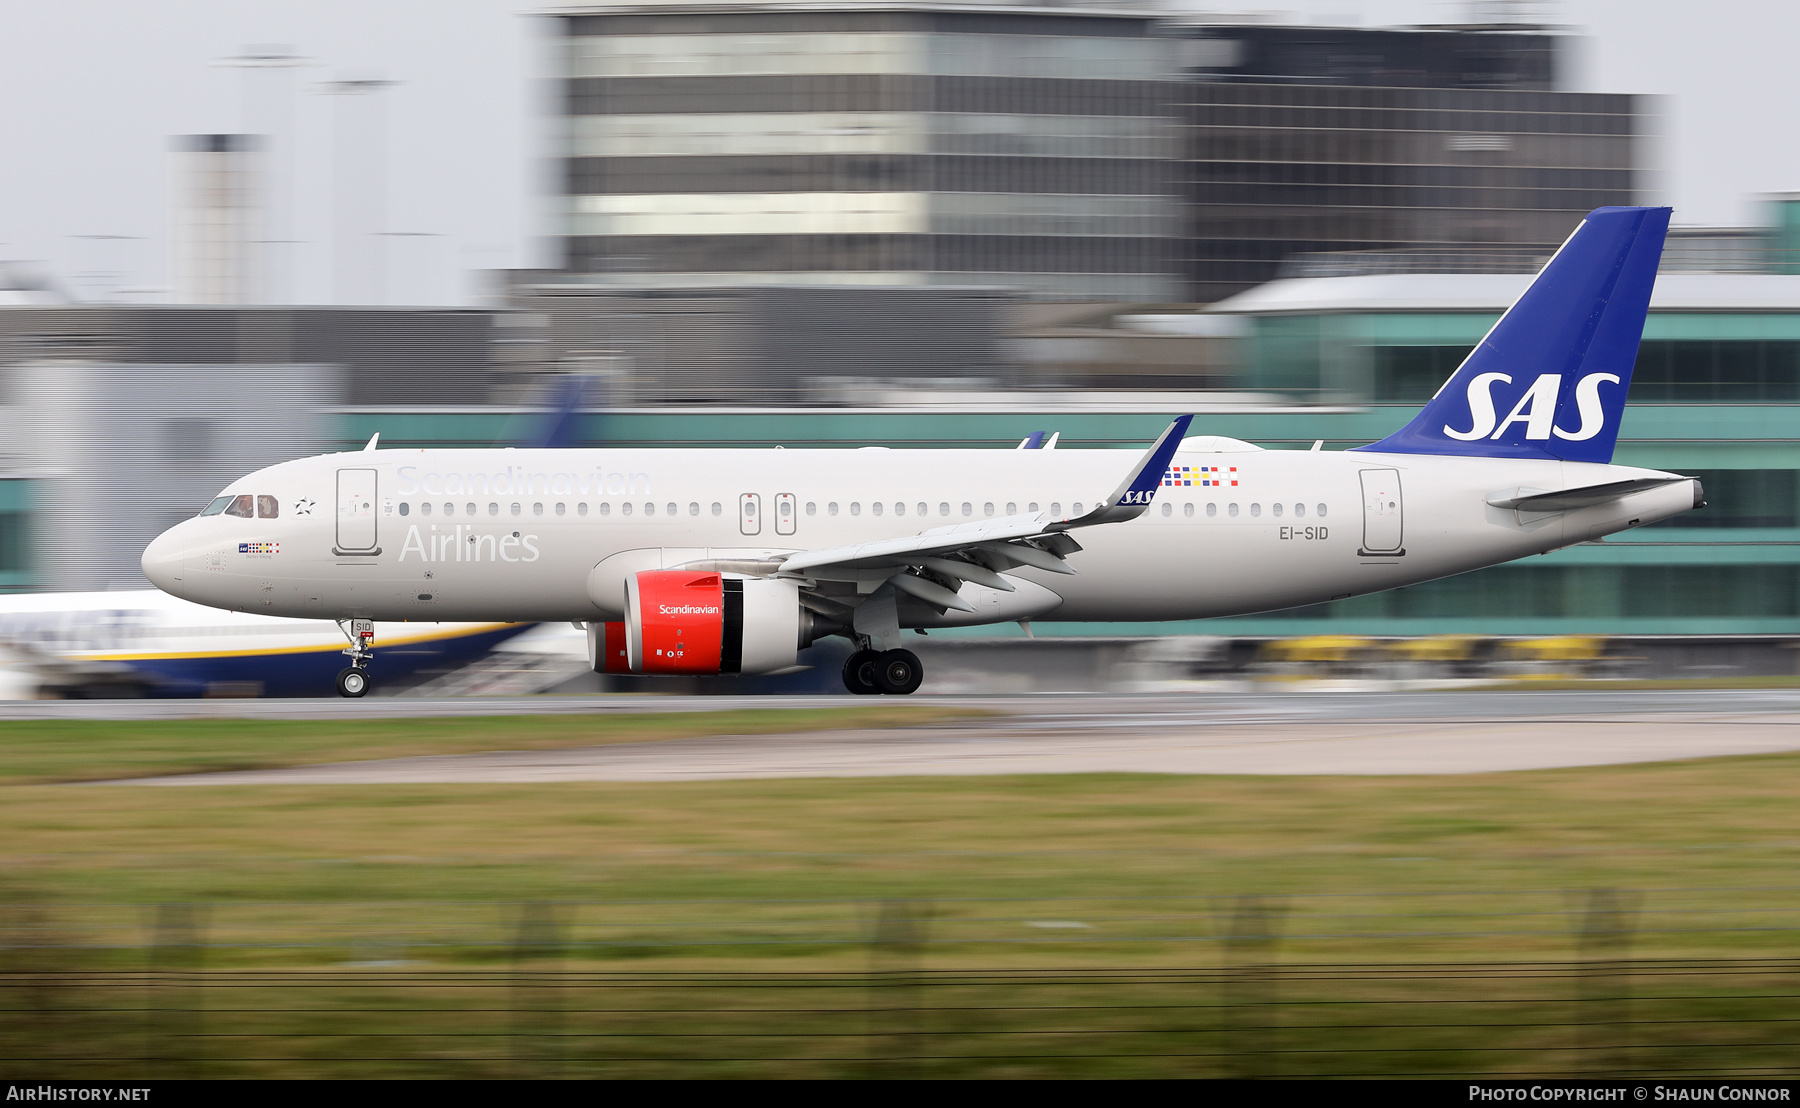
<point>93,90</point>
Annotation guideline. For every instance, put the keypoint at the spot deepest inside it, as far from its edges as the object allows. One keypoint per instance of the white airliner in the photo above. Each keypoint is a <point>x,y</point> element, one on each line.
<point>147,643</point>
<point>687,561</point>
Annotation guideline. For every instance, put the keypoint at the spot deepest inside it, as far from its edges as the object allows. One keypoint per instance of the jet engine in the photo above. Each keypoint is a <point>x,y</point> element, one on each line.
<point>703,622</point>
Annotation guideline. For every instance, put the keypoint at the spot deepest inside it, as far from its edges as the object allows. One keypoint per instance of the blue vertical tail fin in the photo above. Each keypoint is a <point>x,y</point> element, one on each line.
<point>1549,380</point>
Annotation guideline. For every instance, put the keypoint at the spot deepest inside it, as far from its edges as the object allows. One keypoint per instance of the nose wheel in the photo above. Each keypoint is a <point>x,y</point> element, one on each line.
<point>353,681</point>
<point>893,672</point>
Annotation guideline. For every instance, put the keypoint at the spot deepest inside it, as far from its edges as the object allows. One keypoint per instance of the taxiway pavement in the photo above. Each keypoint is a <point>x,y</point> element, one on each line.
<point>1321,733</point>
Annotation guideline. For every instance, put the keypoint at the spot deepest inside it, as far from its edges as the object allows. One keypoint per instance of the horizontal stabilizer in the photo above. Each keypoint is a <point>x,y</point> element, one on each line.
<point>1586,496</point>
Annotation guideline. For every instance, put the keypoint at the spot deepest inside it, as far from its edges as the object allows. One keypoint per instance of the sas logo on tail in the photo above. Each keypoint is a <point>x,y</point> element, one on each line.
<point>1536,409</point>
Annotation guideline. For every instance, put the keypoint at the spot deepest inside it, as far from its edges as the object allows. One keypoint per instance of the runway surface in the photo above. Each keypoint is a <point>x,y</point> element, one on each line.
<point>1320,733</point>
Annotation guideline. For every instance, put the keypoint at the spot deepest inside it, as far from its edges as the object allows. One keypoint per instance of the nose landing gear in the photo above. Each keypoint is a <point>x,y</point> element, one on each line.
<point>353,681</point>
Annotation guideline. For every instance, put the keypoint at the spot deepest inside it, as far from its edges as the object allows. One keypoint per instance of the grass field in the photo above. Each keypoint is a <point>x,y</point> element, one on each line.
<point>1152,925</point>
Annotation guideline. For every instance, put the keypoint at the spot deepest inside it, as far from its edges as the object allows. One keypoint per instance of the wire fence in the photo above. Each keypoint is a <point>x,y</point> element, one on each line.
<point>925,989</point>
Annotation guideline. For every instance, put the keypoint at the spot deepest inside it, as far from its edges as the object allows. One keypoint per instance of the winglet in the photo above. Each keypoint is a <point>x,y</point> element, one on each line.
<point>1135,493</point>
<point>373,439</point>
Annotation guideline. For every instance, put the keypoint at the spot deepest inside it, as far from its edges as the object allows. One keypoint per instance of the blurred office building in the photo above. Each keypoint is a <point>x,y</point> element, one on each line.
<point>1313,150</point>
<point>895,144</point>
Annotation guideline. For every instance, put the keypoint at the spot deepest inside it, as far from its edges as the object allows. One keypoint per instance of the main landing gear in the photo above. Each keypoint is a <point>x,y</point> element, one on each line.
<point>353,681</point>
<point>894,672</point>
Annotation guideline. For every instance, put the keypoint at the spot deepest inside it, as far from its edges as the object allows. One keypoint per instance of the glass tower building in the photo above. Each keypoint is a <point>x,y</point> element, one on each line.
<point>923,144</point>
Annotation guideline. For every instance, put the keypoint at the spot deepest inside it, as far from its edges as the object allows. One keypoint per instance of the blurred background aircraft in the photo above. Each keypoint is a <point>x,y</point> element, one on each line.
<point>142,642</point>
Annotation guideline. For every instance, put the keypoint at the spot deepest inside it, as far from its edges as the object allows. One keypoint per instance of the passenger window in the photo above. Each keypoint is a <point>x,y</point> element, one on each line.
<point>875,507</point>
<point>625,508</point>
<point>831,508</point>
<point>1255,510</point>
<point>449,508</point>
<point>924,509</point>
<point>968,509</point>
<point>581,508</point>
<point>469,509</point>
<point>1055,508</point>
<point>649,509</point>
<point>855,508</point>
<point>1168,509</point>
<point>1212,510</point>
<point>693,507</point>
<point>1012,509</point>
<point>605,508</point>
<point>515,507</point>
<point>1275,508</point>
<point>537,509</point>
<point>243,507</point>
<point>425,507</point>
<point>561,508</point>
<point>944,509</point>
<point>899,508</point>
<point>673,509</point>
<point>267,507</point>
<point>1321,511</point>
<point>493,507</point>
<point>216,506</point>
<point>988,508</point>
<point>1188,510</point>
<point>718,508</point>
<point>405,507</point>
<point>1299,511</point>
<point>1075,508</point>
<point>1031,507</point>
<point>812,508</point>
<point>1231,510</point>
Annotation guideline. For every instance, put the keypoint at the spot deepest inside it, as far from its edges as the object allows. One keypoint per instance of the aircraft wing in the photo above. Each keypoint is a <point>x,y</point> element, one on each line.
<point>982,549</point>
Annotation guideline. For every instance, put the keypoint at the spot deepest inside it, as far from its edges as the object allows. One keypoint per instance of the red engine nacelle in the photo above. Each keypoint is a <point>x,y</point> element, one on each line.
<point>703,622</point>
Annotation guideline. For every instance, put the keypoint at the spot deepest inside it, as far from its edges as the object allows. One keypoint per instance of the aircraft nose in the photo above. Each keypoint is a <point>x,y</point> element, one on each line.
<point>162,560</point>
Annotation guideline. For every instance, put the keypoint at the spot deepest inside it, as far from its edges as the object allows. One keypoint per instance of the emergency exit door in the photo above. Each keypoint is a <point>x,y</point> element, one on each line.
<point>356,511</point>
<point>1383,512</point>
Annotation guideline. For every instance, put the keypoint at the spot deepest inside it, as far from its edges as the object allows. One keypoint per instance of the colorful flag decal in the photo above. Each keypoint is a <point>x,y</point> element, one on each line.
<point>259,548</point>
<point>1182,477</point>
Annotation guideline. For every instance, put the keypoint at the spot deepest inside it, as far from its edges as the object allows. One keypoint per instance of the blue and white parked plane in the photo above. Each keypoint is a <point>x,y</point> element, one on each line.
<point>730,561</point>
<point>144,642</point>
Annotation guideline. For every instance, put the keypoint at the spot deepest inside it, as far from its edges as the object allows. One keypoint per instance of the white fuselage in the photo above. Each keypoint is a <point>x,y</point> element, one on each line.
<point>517,534</point>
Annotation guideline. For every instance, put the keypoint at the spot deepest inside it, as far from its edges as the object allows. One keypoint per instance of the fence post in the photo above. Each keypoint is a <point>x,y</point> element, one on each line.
<point>1251,977</point>
<point>35,972</point>
<point>896,951</point>
<point>177,955</point>
<point>1603,982</point>
<point>537,1008</point>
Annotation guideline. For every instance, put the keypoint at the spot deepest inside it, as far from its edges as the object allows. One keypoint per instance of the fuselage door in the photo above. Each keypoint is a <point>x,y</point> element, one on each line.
<point>356,511</point>
<point>784,513</point>
<point>750,514</point>
<point>1383,512</point>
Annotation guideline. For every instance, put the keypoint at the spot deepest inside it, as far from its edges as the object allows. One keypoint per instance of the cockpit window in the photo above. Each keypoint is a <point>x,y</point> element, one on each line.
<point>243,506</point>
<point>216,506</point>
<point>267,507</point>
